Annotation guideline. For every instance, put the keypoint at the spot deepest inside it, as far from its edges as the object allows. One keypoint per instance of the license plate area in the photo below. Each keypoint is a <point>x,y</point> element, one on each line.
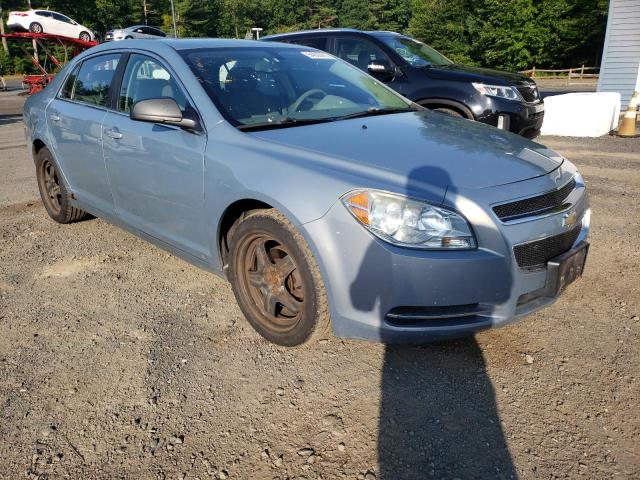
<point>565,269</point>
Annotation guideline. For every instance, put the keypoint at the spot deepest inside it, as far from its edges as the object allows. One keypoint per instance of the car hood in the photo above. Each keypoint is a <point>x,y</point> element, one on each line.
<point>428,147</point>
<point>478,74</point>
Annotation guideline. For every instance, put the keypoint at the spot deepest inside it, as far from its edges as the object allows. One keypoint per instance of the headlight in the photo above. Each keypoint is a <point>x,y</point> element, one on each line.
<point>510,93</point>
<point>409,223</point>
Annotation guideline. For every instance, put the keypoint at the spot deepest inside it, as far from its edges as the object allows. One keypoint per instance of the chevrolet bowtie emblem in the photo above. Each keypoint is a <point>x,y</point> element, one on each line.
<point>570,219</point>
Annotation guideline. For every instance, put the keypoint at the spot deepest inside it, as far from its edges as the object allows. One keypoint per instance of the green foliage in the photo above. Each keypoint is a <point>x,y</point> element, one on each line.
<point>444,24</point>
<point>510,34</point>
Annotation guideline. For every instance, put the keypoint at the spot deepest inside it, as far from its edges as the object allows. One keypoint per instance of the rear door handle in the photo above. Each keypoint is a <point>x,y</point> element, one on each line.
<point>54,117</point>
<point>113,133</point>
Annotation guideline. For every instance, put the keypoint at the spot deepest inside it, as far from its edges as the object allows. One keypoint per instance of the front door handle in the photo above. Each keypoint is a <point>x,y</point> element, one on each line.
<point>54,117</point>
<point>113,133</point>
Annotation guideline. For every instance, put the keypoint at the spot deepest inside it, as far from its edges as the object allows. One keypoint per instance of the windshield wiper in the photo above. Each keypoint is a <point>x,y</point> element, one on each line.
<point>284,123</point>
<point>372,112</point>
<point>297,122</point>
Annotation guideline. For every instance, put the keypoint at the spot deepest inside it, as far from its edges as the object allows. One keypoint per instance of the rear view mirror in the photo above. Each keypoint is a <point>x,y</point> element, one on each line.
<point>163,110</point>
<point>381,67</point>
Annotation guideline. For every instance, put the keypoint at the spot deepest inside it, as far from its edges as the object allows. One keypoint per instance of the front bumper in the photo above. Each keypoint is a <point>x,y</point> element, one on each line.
<point>375,289</point>
<point>522,118</point>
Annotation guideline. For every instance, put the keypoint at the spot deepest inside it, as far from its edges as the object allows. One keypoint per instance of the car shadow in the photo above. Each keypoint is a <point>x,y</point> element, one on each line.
<point>10,119</point>
<point>438,416</point>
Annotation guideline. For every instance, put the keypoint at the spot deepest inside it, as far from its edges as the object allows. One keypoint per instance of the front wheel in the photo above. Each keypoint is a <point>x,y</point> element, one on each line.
<point>449,111</point>
<point>276,280</point>
<point>85,37</point>
<point>35,27</point>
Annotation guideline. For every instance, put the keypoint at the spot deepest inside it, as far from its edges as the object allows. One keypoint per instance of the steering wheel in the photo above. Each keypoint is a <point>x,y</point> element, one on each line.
<point>314,91</point>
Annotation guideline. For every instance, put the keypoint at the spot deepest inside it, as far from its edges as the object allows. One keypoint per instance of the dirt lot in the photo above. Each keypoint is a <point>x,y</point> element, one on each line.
<point>118,360</point>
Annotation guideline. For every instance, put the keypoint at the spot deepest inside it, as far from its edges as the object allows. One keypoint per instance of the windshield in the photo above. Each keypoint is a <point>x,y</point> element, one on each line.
<point>262,86</point>
<point>416,53</point>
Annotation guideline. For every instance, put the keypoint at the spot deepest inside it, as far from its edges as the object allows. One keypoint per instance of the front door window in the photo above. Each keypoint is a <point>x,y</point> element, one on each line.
<point>144,79</point>
<point>359,52</point>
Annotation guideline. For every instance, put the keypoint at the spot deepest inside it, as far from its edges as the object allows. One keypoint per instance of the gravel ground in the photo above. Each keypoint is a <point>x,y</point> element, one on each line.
<point>118,360</point>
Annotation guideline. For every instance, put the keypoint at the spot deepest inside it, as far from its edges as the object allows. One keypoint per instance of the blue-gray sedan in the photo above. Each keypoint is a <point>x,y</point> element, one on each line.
<point>322,195</point>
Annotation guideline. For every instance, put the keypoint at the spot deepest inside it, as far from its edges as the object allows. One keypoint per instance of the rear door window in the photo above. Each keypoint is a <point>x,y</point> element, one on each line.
<point>60,18</point>
<point>155,31</point>
<point>94,79</point>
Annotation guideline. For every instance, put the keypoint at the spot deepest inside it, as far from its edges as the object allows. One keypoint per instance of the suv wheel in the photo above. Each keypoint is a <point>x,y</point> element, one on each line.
<point>449,111</point>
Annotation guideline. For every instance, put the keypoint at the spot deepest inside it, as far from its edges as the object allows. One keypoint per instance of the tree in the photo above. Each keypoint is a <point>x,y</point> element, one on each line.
<point>444,24</point>
<point>199,18</point>
<point>507,34</point>
<point>355,14</point>
<point>391,15</point>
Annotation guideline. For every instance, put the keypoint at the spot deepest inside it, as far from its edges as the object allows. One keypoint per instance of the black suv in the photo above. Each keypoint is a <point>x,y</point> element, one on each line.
<point>509,101</point>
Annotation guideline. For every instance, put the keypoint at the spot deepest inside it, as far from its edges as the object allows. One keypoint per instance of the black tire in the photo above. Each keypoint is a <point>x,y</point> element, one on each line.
<point>128,37</point>
<point>85,37</point>
<point>283,295</point>
<point>54,195</point>
<point>35,27</point>
<point>449,111</point>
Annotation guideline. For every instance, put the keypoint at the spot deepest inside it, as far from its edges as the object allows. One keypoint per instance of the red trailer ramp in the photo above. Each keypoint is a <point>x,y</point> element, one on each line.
<point>45,42</point>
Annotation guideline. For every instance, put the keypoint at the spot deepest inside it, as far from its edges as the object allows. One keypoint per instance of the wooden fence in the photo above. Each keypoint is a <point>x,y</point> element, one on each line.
<point>581,72</point>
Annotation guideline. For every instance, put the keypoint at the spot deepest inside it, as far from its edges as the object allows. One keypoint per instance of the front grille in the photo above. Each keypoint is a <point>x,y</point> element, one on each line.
<point>538,253</point>
<point>529,93</point>
<point>534,205</point>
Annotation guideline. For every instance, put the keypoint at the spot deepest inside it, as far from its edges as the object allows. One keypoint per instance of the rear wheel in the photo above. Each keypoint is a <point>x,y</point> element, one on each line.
<point>85,37</point>
<point>128,37</point>
<point>35,27</point>
<point>276,280</point>
<point>53,192</point>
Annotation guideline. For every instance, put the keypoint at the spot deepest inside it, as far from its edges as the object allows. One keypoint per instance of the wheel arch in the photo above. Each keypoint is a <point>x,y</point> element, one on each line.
<point>447,103</point>
<point>230,215</point>
<point>36,146</point>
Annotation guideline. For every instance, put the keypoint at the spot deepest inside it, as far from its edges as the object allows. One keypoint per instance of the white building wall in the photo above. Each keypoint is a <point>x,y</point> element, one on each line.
<point>621,55</point>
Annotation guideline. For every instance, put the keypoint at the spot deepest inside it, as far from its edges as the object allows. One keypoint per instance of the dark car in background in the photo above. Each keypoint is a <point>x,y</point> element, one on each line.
<point>509,101</point>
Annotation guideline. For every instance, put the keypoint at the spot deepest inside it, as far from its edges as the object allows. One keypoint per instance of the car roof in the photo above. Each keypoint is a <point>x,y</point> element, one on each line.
<point>191,43</point>
<point>324,31</point>
<point>312,32</point>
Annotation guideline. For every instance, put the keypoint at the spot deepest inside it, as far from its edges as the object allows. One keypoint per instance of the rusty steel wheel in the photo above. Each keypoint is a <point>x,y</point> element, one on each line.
<point>275,279</point>
<point>52,190</point>
<point>272,280</point>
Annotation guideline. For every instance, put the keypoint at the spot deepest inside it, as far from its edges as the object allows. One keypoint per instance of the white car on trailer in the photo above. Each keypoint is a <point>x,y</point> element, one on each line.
<point>46,21</point>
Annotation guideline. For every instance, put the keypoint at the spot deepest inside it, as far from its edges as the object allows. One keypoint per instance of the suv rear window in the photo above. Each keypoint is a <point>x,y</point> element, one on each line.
<point>314,42</point>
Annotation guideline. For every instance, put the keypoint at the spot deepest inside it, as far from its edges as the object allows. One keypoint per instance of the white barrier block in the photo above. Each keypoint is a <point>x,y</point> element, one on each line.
<point>581,114</point>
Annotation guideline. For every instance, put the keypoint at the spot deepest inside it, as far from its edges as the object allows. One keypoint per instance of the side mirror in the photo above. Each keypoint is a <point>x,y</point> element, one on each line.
<point>381,67</point>
<point>164,110</point>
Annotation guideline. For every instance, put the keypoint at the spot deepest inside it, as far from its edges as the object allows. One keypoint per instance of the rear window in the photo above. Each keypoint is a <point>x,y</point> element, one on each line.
<point>94,79</point>
<point>67,89</point>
